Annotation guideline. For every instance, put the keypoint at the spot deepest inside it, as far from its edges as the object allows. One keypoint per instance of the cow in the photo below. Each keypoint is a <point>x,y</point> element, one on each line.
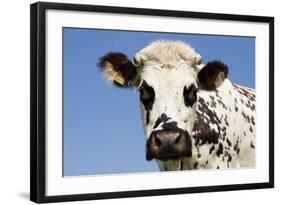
<point>193,116</point>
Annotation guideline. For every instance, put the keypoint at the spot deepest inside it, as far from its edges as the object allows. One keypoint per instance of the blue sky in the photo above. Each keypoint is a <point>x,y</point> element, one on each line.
<point>103,132</point>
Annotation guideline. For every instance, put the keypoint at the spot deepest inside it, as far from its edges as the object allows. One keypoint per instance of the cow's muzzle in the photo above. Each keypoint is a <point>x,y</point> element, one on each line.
<point>168,144</point>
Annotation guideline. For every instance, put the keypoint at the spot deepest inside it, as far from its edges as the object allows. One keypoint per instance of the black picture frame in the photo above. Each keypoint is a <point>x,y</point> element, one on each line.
<point>38,101</point>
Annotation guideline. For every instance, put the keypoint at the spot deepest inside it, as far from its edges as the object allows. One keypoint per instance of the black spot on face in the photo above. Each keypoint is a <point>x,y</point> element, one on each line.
<point>147,116</point>
<point>171,126</point>
<point>190,95</point>
<point>147,97</point>
<point>163,118</point>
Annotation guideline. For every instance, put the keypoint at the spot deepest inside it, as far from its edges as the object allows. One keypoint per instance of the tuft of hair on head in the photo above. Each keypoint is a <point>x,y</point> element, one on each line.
<point>117,69</point>
<point>169,52</point>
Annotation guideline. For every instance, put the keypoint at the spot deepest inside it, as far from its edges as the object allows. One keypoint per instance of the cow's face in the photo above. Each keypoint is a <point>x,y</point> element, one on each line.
<point>168,76</point>
<point>168,104</point>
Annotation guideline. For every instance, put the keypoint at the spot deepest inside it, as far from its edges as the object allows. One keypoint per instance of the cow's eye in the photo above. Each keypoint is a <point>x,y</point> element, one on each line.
<point>144,94</point>
<point>147,95</point>
<point>190,95</point>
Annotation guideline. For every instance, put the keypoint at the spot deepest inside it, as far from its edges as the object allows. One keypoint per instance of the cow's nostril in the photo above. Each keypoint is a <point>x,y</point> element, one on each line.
<point>177,138</point>
<point>158,140</point>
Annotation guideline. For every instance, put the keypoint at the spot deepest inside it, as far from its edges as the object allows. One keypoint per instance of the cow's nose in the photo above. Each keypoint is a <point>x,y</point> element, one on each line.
<point>168,143</point>
<point>167,138</point>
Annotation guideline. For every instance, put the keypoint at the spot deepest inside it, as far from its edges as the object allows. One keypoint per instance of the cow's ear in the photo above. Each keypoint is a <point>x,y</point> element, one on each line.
<point>212,75</point>
<point>118,69</point>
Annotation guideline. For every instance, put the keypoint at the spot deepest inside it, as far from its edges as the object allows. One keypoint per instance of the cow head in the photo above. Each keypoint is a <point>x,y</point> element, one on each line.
<point>168,75</point>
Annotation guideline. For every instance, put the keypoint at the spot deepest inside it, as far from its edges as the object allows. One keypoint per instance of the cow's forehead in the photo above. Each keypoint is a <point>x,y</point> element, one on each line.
<point>174,76</point>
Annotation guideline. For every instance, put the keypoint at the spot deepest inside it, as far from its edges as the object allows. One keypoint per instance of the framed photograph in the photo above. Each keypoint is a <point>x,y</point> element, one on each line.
<point>129,102</point>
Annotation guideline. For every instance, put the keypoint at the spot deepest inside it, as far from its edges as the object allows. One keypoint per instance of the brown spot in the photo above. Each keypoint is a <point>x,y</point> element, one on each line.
<point>222,104</point>
<point>251,129</point>
<point>228,142</point>
<point>253,120</point>
<point>236,147</point>
<point>195,165</point>
<point>246,117</point>
<point>212,149</point>
<point>213,104</point>
<point>225,120</point>
<point>203,132</point>
<point>212,97</point>
<point>246,92</point>
<point>220,150</point>
<point>229,159</point>
<point>252,145</point>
